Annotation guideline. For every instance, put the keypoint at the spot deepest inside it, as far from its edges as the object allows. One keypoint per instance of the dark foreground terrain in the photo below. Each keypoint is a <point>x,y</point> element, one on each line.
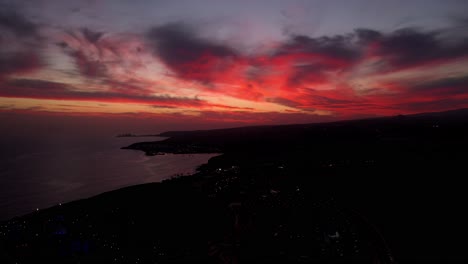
<point>387,190</point>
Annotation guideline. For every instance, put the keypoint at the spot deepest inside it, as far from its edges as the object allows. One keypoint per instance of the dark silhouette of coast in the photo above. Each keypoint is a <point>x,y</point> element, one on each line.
<point>383,190</point>
<point>134,135</point>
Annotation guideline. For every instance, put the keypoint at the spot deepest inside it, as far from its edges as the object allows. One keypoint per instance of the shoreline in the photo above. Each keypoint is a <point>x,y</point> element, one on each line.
<point>277,187</point>
<point>137,168</point>
<point>175,176</point>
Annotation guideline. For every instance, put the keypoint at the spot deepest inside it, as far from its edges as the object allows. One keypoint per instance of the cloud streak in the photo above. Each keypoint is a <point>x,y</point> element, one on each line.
<point>39,89</point>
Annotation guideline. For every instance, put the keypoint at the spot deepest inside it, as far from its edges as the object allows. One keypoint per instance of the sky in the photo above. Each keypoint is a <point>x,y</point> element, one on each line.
<point>215,63</point>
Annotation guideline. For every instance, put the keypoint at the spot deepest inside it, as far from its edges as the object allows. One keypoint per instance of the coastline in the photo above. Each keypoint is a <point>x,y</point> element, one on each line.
<point>175,176</point>
<point>281,188</point>
<point>86,169</point>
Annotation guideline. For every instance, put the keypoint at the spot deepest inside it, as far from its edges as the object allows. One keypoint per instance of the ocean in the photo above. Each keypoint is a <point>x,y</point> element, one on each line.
<point>40,172</point>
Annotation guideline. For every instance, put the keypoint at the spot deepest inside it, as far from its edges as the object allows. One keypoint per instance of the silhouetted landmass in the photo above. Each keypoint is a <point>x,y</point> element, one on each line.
<point>134,135</point>
<point>364,191</point>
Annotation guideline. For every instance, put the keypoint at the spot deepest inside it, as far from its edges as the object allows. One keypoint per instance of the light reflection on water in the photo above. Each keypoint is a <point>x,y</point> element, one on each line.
<point>39,175</point>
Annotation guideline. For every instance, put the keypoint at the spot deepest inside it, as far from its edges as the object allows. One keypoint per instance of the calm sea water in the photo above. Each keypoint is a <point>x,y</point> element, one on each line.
<point>42,172</point>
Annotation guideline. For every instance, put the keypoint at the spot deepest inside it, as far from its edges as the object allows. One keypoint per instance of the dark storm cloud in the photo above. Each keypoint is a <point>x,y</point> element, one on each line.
<point>91,36</point>
<point>18,32</point>
<point>446,82</point>
<point>18,62</point>
<point>16,23</point>
<point>177,43</point>
<point>446,86</point>
<point>311,58</point>
<point>410,47</point>
<point>178,46</point>
<point>365,35</point>
<point>335,47</point>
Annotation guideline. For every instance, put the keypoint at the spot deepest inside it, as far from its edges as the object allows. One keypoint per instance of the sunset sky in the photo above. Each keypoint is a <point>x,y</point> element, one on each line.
<point>239,62</point>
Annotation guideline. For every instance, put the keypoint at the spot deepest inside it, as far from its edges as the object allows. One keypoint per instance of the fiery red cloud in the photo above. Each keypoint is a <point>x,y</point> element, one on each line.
<point>171,67</point>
